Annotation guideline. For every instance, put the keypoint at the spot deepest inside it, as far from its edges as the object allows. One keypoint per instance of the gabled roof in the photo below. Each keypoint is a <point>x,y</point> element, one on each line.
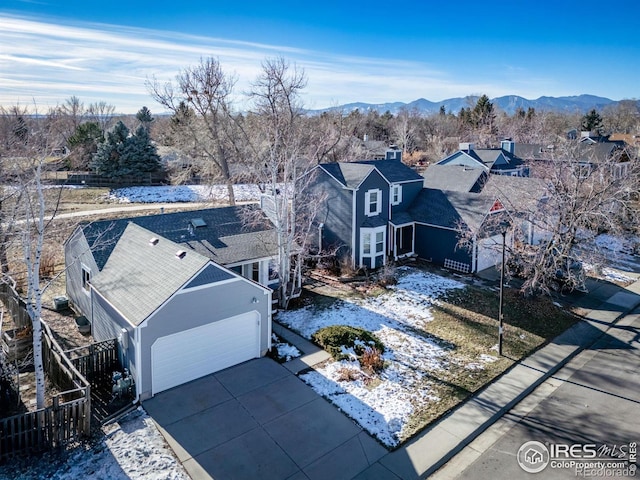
<point>450,209</point>
<point>226,237</point>
<point>517,194</point>
<point>352,174</point>
<point>394,171</point>
<point>141,275</point>
<point>487,158</point>
<point>458,178</point>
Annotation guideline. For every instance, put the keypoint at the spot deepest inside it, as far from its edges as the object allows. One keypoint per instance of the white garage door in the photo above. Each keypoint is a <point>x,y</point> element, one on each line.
<point>489,252</point>
<point>194,353</point>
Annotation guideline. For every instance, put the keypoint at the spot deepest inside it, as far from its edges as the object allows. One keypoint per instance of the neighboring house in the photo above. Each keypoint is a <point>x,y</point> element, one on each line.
<point>381,209</point>
<point>177,315</point>
<point>363,212</point>
<point>458,178</point>
<point>498,161</point>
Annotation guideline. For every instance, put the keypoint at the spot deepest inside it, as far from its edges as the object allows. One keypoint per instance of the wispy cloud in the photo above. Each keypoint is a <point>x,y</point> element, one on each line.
<point>48,62</point>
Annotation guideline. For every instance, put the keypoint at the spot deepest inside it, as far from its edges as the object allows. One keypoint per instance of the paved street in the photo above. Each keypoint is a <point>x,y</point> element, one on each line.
<point>594,399</point>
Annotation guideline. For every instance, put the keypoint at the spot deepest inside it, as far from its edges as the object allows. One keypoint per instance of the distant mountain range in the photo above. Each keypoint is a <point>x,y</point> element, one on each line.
<point>509,104</point>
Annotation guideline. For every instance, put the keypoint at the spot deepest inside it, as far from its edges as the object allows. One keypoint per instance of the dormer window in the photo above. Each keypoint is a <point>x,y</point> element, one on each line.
<point>396,194</point>
<point>372,203</point>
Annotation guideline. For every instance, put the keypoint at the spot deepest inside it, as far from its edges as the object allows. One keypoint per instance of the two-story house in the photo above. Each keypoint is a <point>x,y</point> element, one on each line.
<point>363,210</point>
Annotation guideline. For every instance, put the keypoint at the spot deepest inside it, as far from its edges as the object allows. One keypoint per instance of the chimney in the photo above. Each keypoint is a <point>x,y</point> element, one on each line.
<point>393,153</point>
<point>466,146</point>
<point>508,145</point>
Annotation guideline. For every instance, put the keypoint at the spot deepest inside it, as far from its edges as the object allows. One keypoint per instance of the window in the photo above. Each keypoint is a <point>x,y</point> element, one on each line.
<point>366,243</point>
<point>255,271</point>
<point>396,194</point>
<point>372,203</point>
<point>86,278</point>
<point>372,246</point>
<point>379,242</point>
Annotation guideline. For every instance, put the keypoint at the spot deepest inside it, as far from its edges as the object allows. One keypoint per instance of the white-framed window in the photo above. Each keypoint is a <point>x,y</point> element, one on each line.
<point>86,278</point>
<point>372,202</point>
<point>396,194</point>
<point>372,246</point>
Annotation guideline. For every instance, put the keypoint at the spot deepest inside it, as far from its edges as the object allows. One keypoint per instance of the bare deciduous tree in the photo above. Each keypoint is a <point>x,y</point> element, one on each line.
<point>27,225</point>
<point>577,197</point>
<point>211,134</point>
<point>281,140</point>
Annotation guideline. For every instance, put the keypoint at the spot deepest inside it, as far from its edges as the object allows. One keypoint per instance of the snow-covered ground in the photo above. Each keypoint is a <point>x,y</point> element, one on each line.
<point>383,406</point>
<point>184,193</point>
<point>131,449</point>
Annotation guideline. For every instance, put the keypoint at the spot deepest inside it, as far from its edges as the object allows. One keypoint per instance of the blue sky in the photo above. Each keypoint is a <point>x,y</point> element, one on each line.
<point>351,51</point>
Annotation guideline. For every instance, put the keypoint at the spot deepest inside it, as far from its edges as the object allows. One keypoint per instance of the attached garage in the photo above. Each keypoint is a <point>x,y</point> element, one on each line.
<point>489,252</point>
<point>200,351</point>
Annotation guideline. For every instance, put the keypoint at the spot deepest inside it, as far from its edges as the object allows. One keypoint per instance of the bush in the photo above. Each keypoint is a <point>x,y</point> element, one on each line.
<point>335,337</point>
<point>371,360</point>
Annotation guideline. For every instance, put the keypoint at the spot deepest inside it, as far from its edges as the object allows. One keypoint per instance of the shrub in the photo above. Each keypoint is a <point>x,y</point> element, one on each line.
<point>335,337</point>
<point>371,360</point>
<point>346,374</point>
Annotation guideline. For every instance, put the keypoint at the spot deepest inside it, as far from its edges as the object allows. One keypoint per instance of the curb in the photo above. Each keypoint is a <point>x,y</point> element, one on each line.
<point>626,308</point>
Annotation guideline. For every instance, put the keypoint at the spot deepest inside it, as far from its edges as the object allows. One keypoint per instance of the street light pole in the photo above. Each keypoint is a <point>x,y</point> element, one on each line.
<point>500,314</point>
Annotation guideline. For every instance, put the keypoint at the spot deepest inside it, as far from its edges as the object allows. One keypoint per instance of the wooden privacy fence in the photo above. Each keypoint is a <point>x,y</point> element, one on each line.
<point>67,419</point>
<point>15,305</point>
<point>97,361</point>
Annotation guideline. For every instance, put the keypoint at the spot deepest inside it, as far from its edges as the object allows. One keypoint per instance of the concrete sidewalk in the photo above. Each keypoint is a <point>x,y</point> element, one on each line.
<point>432,448</point>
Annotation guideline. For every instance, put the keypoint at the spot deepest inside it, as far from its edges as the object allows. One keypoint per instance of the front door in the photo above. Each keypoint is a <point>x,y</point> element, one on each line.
<point>404,241</point>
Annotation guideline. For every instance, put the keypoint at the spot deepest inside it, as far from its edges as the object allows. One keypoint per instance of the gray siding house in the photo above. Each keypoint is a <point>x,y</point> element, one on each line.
<point>177,315</point>
<point>221,234</point>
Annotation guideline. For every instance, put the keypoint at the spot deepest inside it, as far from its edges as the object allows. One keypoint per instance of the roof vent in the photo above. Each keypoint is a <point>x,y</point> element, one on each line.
<point>154,241</point>
<point>181,254</point>
<point>198,222</point>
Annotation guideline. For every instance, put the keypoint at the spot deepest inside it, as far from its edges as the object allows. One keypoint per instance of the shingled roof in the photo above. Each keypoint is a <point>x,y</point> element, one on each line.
<point>455,177</point>
<point>223,235</point>
<point>450,209</point>
<point>140,276</point>
<point>352,174</point>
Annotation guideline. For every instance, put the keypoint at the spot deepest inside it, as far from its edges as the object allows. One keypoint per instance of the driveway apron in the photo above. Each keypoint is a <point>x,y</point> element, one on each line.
<point>258,420</point>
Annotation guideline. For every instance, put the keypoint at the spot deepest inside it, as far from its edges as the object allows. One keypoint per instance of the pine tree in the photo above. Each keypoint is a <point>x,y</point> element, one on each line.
<point>124,154</point>
<point>592,122</point>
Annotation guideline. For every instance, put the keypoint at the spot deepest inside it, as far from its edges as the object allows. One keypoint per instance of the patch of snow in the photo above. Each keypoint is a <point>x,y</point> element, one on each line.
<point>488,358</point>
<point>184,193</point>
<point>131,449</point>
<point>383,406</point>
<point>285,350</point>
<point>559,305</point>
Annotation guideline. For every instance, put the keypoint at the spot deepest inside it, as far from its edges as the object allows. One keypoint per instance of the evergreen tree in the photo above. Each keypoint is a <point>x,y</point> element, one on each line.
<point>145,118</point>
<point>124,154</point>
<point>592,122</point>
<point>84,144</point>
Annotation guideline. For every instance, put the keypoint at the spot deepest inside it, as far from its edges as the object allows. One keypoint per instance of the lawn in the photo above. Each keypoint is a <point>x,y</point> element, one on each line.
<point>440,338</point>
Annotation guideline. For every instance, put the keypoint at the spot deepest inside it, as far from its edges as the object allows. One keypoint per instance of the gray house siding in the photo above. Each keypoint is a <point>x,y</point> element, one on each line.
<point>78,254</point>
<point>335,212</point>
<point>193,308</point>
<point>107,323</point>
<point>437,244</point>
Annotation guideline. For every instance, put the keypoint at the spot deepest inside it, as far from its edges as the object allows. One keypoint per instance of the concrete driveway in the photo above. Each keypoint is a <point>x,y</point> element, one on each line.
<point>258,420</point>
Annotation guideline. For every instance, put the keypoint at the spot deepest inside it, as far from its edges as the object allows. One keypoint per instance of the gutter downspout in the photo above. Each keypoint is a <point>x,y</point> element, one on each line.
<point>353,228</point>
